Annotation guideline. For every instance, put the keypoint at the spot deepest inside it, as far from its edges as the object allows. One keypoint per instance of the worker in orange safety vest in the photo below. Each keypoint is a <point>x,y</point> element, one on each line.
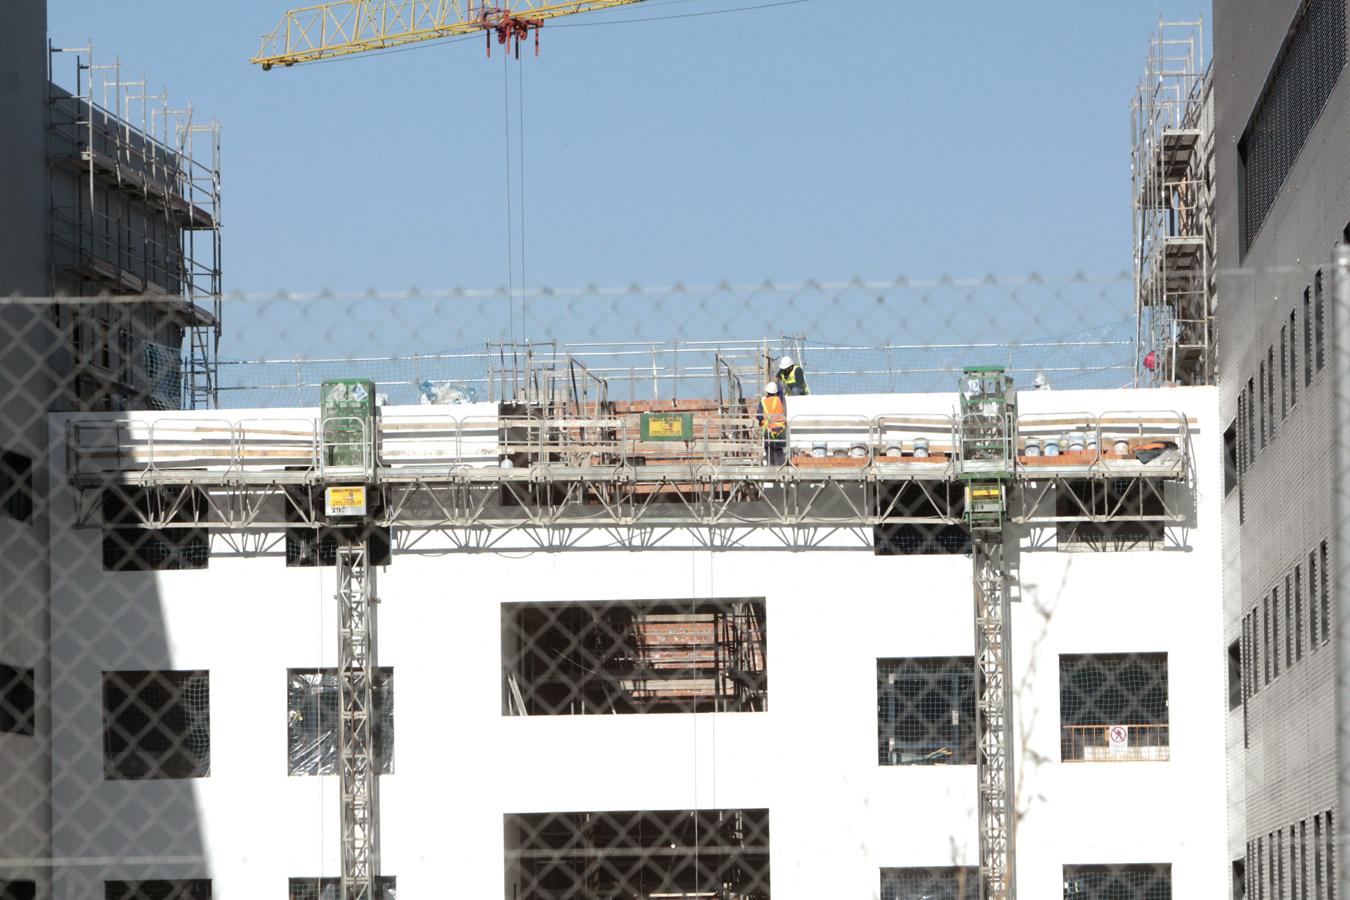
<point>772,419</point>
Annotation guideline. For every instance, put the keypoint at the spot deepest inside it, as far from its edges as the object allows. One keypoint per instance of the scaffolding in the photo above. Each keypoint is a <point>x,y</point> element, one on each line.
<point>550,476</point>
<point>134,199</point>
<point>1172,163</point>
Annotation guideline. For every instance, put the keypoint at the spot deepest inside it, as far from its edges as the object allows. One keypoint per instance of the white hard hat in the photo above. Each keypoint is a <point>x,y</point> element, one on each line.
<point>785,362</point>
<point>771,387</point>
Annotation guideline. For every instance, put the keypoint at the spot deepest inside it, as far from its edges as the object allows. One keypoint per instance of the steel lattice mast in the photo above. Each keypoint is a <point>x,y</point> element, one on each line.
<point>357,760</point>
<point>988,417</point>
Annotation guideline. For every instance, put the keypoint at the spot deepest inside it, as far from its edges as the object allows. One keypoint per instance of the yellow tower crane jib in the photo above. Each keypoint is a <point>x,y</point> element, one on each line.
<point>343,28</point>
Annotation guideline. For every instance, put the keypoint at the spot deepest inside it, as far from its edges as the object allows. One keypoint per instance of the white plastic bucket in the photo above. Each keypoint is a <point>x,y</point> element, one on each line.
<point>1033,447</point>
<point>921,448</point>
<point>1122,447</point>
<point>858,451</point>
<point>895,450</point>
<point>1077,442</point>
<point>1052,446</point>
<point>818,451</point>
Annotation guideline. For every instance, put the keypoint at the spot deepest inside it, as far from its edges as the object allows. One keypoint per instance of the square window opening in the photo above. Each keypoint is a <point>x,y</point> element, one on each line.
<point>926,711</point>
<point>1114,707</point>
<point>634,656</point>
<point>313,711</point>
<point>156,724</point>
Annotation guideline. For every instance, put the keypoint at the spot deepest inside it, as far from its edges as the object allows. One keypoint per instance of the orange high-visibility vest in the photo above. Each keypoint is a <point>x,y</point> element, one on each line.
<point>774,415</point>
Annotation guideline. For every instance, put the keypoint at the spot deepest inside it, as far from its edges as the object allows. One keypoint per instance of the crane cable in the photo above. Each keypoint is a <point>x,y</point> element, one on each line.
<point>510,232</point>
<point>510,229</point>
<point>520,97</point>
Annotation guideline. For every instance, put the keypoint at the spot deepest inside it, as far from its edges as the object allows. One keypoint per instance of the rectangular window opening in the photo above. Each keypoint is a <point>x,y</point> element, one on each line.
<point>1270,387</point>
<point>1298,613</point>
<point>946,882</point>
<point>1251,422</point>
<point>182,889</point>
<point>130,546</point>
<point>1319,321</point>
<point>386,888</point>
<point>1307,337</point>
<point>313,709</point>
<point>1292,329</point>
<point>651,853</point>
<point>1142,881</point>
<point>1113,707</point>
<point>1331,853</point>
<point>1275,630</point>
<point>17,700</point>
<point>1324,592</point>
<point>634,656</point>
<point>1239,879</point>
<point>1265,636</point>
<point>18,890</point>
<point>1290,623</point>
<point>156,724</point>
<point>1318,870</point>
<point>309,546</point>
<point>1303,857</point>
<point>16,486</point>
<point>1123,498</point>
<point>926,711</point>
<point>1284,373</point>
<point>1314,603</point>
<point>1230,458</point>
<point>1234,675</point>
<point>1261,401</point>
<point>918,538</point>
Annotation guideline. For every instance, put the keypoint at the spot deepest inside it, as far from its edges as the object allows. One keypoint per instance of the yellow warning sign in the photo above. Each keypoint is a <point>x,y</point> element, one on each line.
<point>345,501</point>
<point>667,426</point>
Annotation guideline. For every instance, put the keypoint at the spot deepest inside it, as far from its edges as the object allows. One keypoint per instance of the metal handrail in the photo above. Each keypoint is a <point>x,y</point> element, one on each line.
<point>1144,742</point>
<point>821,422</point>
<point>232,438</point>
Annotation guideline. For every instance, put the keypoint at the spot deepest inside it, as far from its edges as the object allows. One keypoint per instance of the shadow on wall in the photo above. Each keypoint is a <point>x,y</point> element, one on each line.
<point>130,724</point>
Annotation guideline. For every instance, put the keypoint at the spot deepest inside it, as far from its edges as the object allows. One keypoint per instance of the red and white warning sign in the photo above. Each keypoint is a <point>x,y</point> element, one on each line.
<point>1118,738</point>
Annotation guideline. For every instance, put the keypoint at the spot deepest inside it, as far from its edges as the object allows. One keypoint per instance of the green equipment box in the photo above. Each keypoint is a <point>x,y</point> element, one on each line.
<point>668,426</point>
<point>347,417</point>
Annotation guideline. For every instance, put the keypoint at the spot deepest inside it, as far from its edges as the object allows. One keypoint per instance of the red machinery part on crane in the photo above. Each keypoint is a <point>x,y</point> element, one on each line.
<point>508,29</point>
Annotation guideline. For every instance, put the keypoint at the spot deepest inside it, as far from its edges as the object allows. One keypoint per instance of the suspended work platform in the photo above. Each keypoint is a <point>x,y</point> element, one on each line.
<point>425,468</point>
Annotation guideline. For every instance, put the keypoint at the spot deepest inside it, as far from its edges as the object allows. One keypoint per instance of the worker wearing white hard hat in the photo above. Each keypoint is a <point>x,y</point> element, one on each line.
<point>772,420</point>
<point>791,377</point>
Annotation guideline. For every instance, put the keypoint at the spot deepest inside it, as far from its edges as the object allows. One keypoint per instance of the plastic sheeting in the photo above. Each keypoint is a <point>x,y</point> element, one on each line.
<point>312,732</point>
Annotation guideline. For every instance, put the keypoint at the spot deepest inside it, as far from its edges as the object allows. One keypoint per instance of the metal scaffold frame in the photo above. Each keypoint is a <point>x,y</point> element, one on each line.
<point>160,240</point>
<point>1172,166</point>
<point>580,475</point>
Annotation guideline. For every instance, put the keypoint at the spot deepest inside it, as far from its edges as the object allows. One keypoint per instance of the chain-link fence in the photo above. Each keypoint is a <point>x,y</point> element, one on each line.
<point>555,514</point>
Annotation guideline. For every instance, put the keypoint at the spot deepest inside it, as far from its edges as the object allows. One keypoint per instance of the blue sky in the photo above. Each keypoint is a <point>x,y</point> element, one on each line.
<point>822,139</point>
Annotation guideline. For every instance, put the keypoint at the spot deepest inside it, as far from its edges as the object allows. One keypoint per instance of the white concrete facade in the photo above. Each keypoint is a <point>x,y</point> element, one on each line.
<point>460,765</point>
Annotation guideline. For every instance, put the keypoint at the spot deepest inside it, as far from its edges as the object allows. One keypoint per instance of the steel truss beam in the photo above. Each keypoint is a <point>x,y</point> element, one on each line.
<point>460,503</point>
<point>358,779</point>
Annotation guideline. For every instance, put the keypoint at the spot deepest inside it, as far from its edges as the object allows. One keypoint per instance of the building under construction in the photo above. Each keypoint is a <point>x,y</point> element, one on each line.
<point>561,638</point>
